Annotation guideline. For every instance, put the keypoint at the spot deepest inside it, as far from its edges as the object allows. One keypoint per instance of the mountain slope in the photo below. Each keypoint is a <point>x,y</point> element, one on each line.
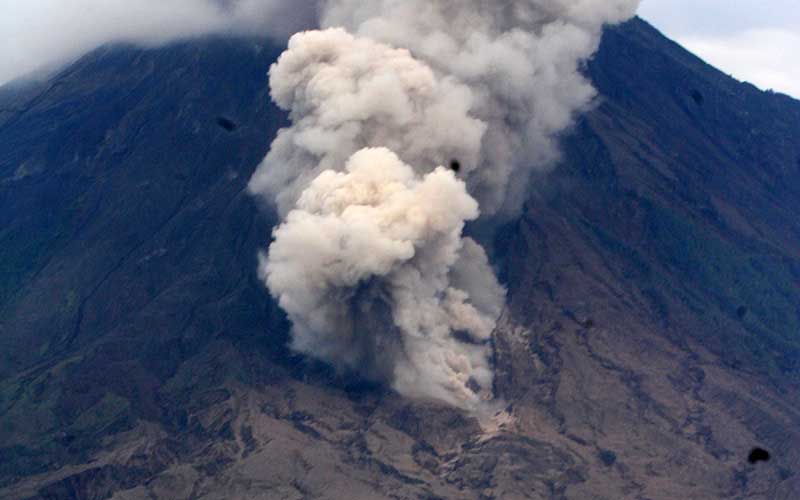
<point>650,340</point>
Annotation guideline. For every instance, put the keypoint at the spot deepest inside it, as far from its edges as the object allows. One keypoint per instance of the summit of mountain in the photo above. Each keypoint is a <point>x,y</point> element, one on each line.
<point>650,342</point>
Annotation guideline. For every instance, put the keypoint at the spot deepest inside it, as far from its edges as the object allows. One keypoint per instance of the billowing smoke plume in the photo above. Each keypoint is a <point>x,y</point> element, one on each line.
<point>346,93</point>
<point>366,265</point>
<point>370,263</point>
<point>520,58</point>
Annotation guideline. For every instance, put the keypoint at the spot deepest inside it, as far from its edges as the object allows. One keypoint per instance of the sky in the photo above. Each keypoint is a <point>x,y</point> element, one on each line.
<point>754,40</point>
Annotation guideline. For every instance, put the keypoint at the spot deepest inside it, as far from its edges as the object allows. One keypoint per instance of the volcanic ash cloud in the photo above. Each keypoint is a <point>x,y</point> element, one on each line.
<point>521,60</point>
<point>364,266</point>
<point>370,262</point>
<point>345,93</point>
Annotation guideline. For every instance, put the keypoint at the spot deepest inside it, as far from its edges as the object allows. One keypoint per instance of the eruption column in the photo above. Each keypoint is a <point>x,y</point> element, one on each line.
<point>370,262</point>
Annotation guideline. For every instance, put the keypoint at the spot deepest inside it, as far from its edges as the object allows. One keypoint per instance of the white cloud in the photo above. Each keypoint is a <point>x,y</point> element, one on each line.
<point>766,58</point>
<point>717,17</point>
<point>37,33</point>
<point>753,40</point>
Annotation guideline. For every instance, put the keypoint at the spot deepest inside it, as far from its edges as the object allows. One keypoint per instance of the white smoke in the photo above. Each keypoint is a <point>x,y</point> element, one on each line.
<point>362,266</point>
<point>345,93</point>
<point>370,262</point>
<point>521,59</point>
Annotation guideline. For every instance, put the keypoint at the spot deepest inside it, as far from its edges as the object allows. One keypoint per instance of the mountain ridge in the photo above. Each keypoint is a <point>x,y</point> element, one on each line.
<point>649,341</point>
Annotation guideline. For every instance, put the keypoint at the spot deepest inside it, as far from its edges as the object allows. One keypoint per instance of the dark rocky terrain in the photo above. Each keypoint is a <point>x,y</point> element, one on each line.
<point>651,339</point>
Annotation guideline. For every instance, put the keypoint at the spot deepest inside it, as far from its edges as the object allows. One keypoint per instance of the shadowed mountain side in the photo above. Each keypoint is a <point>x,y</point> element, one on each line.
<point>128,244</point>
<point>649,345</point>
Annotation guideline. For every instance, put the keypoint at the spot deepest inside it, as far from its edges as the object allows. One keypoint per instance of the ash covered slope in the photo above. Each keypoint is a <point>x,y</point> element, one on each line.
<point>650,340</point>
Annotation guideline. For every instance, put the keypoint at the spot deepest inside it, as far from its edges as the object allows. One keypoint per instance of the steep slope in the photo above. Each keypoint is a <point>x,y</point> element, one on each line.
<point>650,341</point>
<point>127,242</point>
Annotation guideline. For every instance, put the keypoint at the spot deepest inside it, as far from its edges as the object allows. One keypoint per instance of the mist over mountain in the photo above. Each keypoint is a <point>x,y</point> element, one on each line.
<point>648,345</point>
<point>42,36</point>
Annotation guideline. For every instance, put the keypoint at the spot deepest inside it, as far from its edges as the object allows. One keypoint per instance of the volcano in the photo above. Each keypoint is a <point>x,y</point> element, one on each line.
<point>650,342</point>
